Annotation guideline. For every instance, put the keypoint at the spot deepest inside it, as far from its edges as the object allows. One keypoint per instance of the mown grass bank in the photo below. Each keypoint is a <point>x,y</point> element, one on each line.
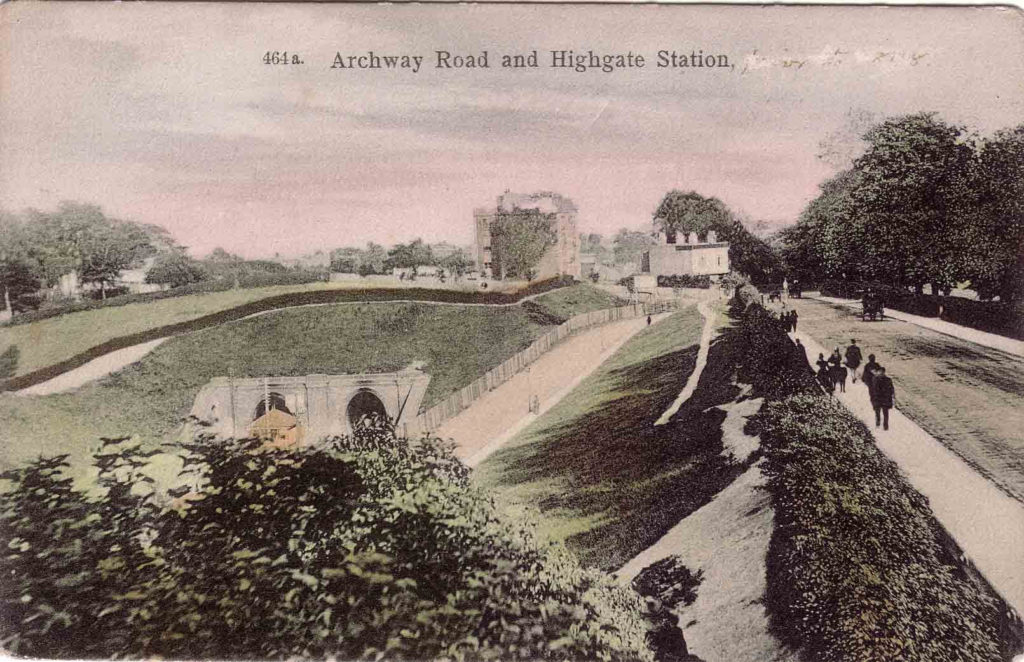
<point>606,481</point>
<point>151,397</point>
<point>50,347</point>
<point>858,567</point>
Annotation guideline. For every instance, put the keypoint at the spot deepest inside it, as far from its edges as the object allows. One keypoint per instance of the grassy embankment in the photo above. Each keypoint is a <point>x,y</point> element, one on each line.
<point>150,397</point>
<point>963,394</point>
<point>52,340</point>
<point>605,480</point>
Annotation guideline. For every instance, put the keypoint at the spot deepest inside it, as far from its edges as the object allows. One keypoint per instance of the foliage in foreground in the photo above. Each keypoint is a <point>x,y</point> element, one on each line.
<point>856,566</point>
<point>373,547</point>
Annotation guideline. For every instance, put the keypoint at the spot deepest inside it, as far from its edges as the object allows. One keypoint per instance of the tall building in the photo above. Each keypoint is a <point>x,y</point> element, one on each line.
<point>561,259</point>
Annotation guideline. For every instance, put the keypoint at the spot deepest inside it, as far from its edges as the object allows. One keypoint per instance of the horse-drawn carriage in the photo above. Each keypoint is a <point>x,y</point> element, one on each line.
<point>796,289</point>
<point>871,306</point>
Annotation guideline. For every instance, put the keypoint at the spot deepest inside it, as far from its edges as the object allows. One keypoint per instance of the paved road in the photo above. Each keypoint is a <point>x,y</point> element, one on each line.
<point>966,395</point>
<point>495,418</point>
<point>986,523</point>
<point>983,338</point>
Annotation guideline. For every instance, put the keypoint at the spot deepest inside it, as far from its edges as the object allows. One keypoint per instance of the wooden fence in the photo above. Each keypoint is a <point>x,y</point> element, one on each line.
<point>434,417</point>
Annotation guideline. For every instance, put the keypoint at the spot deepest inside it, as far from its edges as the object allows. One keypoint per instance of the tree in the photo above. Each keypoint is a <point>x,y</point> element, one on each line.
<point>997,260</point>
<point>362,547</point>
<point>681,213</point>
<point>519,239</point>
<point>110,248</point>
<point>909,200</point>
<point>20,275</point>
<point>826,241</point>
<point>374,259</point>
<point>457,263</point>
<point>81,238</point>
<point>406,256</point>
<point>629,245</point>
<point>176,269</point>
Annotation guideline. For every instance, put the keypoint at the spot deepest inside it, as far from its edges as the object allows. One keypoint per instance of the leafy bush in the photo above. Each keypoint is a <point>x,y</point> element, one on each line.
<point>769,361</point>
<point>370,547</point>
<point>856,568</point>
<point>685,280</point>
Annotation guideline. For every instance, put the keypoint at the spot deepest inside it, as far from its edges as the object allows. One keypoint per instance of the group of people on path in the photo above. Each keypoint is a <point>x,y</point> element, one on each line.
<point>833,371</point>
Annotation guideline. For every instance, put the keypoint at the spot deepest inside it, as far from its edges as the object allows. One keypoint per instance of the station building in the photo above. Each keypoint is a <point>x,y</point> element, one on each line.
<point>689,257</point>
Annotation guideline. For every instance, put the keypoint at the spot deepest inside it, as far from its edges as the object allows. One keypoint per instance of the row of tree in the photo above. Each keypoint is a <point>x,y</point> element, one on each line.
<point>928,202</point>
<point>374,259</point>
<point>38,248</point>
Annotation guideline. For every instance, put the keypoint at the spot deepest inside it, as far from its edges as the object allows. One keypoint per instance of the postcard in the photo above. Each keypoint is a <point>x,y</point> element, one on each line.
<point>511,331</point>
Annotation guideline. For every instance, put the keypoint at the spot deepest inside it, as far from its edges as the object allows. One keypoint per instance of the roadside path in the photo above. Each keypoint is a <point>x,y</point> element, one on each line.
<point>698,368</point>
<point>499,415</point>
<point>986,522</point>
<point>991,340</point>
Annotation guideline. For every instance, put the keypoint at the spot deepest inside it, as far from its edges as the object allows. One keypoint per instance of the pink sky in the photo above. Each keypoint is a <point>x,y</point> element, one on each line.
<point>164,113</point>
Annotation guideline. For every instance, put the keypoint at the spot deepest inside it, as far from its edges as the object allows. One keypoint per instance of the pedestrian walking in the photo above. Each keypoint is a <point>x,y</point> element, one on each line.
<point>836,358</point>
<point>648,320</point>
<point>792,320</point>
<point>821,363</point>
<point>883,397</point>
<point>853,358</point>
<point>869,372</point>
<point>838,374</point>
<point>825,379</point>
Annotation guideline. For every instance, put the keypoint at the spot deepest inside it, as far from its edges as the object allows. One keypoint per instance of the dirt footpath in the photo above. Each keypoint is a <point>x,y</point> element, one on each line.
<point>499,415</point>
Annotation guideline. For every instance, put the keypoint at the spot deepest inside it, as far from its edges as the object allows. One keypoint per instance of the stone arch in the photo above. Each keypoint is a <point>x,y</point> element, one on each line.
<point>363,406</point>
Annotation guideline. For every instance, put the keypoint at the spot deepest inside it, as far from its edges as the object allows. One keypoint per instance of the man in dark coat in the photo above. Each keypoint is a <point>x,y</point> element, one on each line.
<point>792,320</point>
<point>853,358</point>
<point>883,397</point>
<point>869,371</point>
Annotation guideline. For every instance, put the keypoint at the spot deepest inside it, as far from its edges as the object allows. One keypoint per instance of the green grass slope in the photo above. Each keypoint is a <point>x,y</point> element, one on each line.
<point>150,398</point>
<point>606,481</point>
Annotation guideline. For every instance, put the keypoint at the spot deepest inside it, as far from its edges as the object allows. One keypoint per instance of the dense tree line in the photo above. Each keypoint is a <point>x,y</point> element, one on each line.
<point>37,248</point>
<point>374,259</point>
<point>928,202</point>
<point>681,212</point>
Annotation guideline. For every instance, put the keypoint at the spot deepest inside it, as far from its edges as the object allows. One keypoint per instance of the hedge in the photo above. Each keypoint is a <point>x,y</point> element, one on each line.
<point>858,568</point>
<point>993,316</point>
<point>368,547</point>
<point>685,280</point>
<point>276,302</point>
